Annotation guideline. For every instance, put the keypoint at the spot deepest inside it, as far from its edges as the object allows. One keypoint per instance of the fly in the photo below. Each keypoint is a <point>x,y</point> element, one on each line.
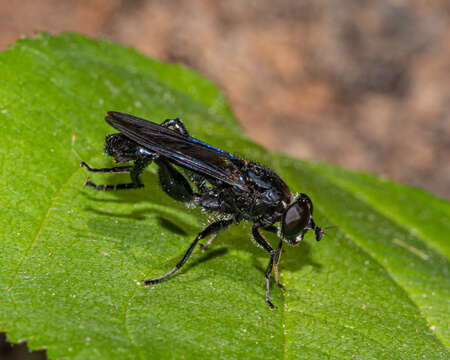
<point>235,188</point>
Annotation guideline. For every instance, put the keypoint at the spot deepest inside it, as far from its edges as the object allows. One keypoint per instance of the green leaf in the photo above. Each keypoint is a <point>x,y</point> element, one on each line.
<point>376,286</point>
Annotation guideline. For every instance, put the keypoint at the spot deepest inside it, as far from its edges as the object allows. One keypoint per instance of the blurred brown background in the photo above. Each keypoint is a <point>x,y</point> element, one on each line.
<point>362,84</point>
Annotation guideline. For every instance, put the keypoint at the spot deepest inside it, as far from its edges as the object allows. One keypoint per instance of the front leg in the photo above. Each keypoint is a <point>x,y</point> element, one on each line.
<point>261,241</point>
<point>275,265</point>
<point>273,229</point>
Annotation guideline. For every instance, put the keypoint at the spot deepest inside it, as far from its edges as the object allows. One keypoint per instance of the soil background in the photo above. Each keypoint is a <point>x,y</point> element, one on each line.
<point>358,83</point>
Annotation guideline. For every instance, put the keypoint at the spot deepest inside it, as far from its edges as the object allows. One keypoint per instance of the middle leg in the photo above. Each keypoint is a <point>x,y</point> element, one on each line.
<point>208,242</point>
<point>177,125</point>
<point>213,228</point>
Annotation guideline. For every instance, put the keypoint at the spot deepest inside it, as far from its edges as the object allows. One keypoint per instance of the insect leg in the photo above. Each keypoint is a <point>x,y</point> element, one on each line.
<point>274,230</point>
<point>177,125</point>
<point>261,241</point>
<point>275,265</point>
<point>318,231</point>
<point>210,229</point>
<point>210,240</point>
<point>135,173</point>
<point>116,169</point>
<point>271,228</point>
<point>198,180</point>
<point>173,182</point>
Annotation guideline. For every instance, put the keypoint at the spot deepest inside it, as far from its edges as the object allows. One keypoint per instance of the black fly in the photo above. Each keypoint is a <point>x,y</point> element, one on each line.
<point>233,187</point>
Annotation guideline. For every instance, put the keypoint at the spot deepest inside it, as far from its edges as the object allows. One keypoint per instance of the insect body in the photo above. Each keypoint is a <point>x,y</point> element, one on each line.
<point>233,187</point>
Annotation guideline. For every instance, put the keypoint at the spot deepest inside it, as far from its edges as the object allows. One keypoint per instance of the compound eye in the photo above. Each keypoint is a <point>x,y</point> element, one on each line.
<point>295,219</point>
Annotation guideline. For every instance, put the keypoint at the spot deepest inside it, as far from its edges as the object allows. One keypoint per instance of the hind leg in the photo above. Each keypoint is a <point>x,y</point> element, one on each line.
<point>173,182</point>
<point>135,173</point>
<point>125,150</point>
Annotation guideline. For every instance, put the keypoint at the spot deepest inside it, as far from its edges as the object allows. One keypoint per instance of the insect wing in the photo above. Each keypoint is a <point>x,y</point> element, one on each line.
<point>183,151</point>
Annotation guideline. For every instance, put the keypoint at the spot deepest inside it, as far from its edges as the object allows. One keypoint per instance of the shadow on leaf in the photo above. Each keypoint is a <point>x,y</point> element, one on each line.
<point>162,217</point>
<point>293,258</point>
